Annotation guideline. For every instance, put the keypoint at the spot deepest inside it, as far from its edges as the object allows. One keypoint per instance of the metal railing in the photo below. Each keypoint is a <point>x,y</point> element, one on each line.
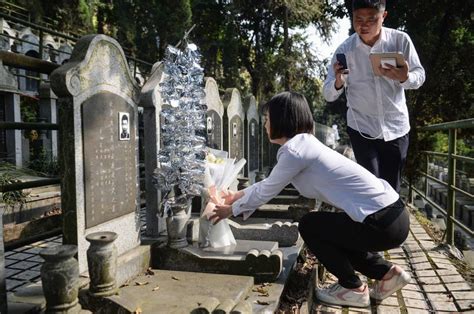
<point>144,66</point>
<point>452,190</point>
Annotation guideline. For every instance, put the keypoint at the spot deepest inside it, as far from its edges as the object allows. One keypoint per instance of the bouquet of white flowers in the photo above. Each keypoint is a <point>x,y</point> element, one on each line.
<point>220,173</point>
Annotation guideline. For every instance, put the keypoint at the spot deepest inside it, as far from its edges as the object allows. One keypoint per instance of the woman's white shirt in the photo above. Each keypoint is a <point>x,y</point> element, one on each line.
<point>317,171</point>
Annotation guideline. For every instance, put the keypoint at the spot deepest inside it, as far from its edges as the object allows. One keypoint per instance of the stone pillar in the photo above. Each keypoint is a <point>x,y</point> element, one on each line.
<point>97,100</point>
<point>102,262</point>
<point>48,112</point>
<point>9,89</point>
<point>60,279</point>
<point>150,100</point>
<point>3,288</point>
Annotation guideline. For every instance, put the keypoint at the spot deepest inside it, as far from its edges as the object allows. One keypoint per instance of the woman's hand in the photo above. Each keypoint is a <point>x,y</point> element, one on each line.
<point>230,197</point>
<point>221,212</point>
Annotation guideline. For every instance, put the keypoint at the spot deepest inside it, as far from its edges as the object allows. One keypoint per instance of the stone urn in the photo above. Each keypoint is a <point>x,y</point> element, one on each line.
<point>177,224</point>
<point>102,263</point>
<point>60,279</point>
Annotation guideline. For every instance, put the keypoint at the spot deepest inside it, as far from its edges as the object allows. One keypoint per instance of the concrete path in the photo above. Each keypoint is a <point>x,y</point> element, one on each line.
<point>436,286</point>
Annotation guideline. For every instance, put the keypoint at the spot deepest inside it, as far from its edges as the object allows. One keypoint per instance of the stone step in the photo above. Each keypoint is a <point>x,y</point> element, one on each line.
<point>165,291</point>
<point>285,199</point>
<point>289,191</point>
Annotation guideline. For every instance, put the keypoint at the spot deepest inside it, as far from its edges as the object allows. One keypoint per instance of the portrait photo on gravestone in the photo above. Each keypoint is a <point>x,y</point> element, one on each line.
<point>124,129</point>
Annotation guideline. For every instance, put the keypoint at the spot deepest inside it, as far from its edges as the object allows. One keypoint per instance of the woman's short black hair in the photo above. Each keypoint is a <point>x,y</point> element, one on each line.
<point>289,115</point>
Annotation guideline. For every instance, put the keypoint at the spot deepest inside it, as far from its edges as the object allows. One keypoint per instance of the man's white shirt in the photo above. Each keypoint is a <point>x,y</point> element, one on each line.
<point>376,104</point>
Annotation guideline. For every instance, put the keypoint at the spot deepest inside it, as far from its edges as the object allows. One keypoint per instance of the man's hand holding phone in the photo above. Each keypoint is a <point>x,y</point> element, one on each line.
<point>340,68</point>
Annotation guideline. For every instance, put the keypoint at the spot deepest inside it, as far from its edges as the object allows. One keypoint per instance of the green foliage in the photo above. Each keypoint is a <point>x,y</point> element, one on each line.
<point>42,165</point>
<point>8,175</point>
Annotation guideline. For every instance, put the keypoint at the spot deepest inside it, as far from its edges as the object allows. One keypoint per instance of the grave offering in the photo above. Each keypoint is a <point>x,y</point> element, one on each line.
<point>180,175</point>
<point>220,173</point>
<point>181,165</point>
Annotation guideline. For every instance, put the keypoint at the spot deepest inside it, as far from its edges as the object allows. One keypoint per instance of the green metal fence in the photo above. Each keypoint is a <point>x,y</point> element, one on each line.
<point>453,189</point>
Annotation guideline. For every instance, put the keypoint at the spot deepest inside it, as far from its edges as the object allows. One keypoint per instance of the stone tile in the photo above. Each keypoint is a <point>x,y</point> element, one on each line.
<point>437,255</point>
<point>359,310</point>
<point>23,265</point>
<point>8,253</point>
<point>412,248</point>
<point>20,256</point>
<point>27,275</point>
<point>433,288</point>
<point>439,297</point>
<point>458,286</point>
<point>12,284</point>
<point>440,260</point>
<point>387,309</point>
<point>452,278</point>
<point>416,304</point>
<point>429,280</point>
<point>37,267</point>
<point>412,287</point>
<point>422,266</point>
<point>428,245</point>
<point>10,272</point>
<point>446,272</point>
<point>396,250</point>
<point>34,250</point>
<point>466,305</point>
<point>415,254</point>
<point>425,273</point>
<point>392,300</point>
<point>36,258</point>
<point>21,248</point>
<point>412,294</point>
<point>9,262</point>
<point>419,259</point>
<point>444,306</point>
<point>446,266</point>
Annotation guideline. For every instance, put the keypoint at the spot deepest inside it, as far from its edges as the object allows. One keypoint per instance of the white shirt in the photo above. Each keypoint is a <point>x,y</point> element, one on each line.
<point>317,171</point>
<point>377,105</point>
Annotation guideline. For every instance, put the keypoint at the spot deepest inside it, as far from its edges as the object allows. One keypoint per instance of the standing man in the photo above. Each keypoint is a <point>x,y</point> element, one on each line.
<point>377,115</point>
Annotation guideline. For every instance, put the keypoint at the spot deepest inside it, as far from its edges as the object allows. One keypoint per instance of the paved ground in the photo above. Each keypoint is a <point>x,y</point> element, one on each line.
<point>437,285</point>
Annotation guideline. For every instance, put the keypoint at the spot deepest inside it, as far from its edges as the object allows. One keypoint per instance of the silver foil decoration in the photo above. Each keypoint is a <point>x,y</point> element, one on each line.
<point>181,162</point>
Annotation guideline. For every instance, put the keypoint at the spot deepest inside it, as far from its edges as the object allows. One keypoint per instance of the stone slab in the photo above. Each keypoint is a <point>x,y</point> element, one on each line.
<point>284,232</point>
<point>260,259</point>
<point>181,292</point>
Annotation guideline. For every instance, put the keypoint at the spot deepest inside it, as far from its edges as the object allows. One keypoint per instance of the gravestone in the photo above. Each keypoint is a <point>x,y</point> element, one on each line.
<point>251,137</point>
<point>234,124</point>
<point>10,140</point>
<point>98,112</point>
<point>3,288</point>
<point>215,113</point>
<point>265,143</point>
<point>150,100</point>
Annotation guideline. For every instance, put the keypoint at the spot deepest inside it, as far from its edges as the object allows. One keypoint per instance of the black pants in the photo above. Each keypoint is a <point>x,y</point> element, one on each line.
<point>384,159</point>
<point>344,246</point>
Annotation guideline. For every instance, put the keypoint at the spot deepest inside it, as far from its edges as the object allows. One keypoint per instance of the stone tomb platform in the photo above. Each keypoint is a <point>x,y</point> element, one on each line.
<point>260,259</point>
<point>163,291</point>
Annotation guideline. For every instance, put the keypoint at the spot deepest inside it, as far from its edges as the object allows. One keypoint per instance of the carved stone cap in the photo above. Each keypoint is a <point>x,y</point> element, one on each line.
<point>96,60</point>
<point>233,102</point>
<point>213,100</point>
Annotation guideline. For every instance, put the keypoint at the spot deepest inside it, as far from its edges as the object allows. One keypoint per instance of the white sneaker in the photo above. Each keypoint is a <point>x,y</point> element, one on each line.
<point>384,288</point>
<point>338,295</point>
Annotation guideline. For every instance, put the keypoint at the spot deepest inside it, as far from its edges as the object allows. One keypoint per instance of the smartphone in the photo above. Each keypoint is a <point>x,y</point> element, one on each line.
<point>341,58</point>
